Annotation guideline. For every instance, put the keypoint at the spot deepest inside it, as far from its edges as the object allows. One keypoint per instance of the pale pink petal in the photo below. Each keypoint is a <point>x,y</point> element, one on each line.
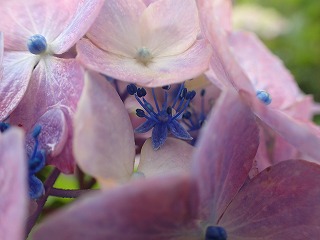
<point>265,70</point>
<point>13,182</point>
<point>225,154</point>
<point>154,209</point>
<point>302,108</point>
<point>148,2</point>
<point>65,161</point>
<point>103,140</point>
<point>83,15</point>
<point>280,203</point>
<point>53,135</point>
<point>304,135</point>
<point>162,71</point>
<point>220,11</point>
<point>54,83</point>
<point>174,156</point>
<point>116,29</point>
<point>17,69</point>
<point>227,72</point>
<point>169,27</point>
<point>1,54</point>
<point>22,19</point>
<point>316,108</point>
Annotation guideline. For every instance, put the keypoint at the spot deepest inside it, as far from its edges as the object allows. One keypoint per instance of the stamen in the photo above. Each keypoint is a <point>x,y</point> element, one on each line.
<point>4,126</point>
<point>36,163</point>
<point>264,97</point>
<point>144,55</point>
<point>37,44</point>
<point>164,119</point>
<point>215,233</point>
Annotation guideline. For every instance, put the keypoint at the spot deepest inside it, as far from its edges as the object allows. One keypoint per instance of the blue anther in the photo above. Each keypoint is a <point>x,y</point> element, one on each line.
<point>167,87</point>
<point>35,164</point>
<point>4,126</point>
<point>140,113</point>
<point>164,119</point>
<point>215,233</point>
<point>131,89</point>
<point>37,44</point>
<point>190,95</point>
<point>141,92</point>
<point>203,92</point>
<point>264,97</point>
<point>186,115</point>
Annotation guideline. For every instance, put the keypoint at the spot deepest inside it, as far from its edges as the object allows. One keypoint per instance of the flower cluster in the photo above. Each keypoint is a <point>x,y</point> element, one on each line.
<point>190,129</point>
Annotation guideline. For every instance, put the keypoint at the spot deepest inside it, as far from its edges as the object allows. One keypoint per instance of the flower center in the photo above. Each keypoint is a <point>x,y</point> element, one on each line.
<point>37,44</point>
<point>215,233</point>
<point>264,97</point>
<point>144,55</point>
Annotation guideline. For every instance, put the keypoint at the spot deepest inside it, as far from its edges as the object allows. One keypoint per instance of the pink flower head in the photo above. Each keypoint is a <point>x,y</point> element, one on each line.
<point>242,63</point>
<point>35,78</point>
<point>13,180</point>
<point>218,200</point>
<point>152,45</point>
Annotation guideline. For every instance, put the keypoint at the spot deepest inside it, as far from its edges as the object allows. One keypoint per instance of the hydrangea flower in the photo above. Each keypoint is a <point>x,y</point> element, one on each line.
<point>13,180</point>
<point>216,202</point>
<point>152,44</point>
<point>234,69</point>
<point>36,77</point>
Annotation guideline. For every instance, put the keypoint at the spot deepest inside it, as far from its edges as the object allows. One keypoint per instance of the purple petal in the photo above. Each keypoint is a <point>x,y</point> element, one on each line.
<point>159,135</point>
<point>83,15</point>
<point>153,209</point>
<point>17,69</point>
<point>225,154</point>
<point>178,131</point>
<point>145,127</point>
<point>280,203</point>
<point>13,182</point>
<point>174,156</point>
<point>264,69</point>
<point>103,140</point>
<point>55,83</point>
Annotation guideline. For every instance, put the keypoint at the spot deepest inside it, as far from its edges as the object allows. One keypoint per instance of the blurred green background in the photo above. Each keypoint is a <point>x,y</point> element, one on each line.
<point>291,29</point>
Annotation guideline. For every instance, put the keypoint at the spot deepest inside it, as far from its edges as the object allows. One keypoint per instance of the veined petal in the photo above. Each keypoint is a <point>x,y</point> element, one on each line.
<point>55,82</point>
<point>103,139</point>
<point>1,54</point>
<point>279,203</point>
<point>159,135</point>
<point>162,71</point>
<point>83,14</point>
<point>116,29</point>
<point>145,127</point>
<point>177,130</point>
<point>54,132</point>
<point>13,182</point>
<point>169,27</point>
<point>21,20</point>
<point>17,69</point>
<point>225,154</point>
<point>304,135</point>
<point>219,10</point>
<point>155,209</point>
<point>174,156</point>
<point>265,70</point>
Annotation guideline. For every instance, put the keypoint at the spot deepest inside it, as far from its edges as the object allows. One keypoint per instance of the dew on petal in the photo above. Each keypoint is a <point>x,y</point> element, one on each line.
<point>264,97</point>
<point>37,44</point>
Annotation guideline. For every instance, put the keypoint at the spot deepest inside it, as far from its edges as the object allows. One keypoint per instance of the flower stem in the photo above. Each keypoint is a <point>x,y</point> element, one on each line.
<point>68,193</point>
